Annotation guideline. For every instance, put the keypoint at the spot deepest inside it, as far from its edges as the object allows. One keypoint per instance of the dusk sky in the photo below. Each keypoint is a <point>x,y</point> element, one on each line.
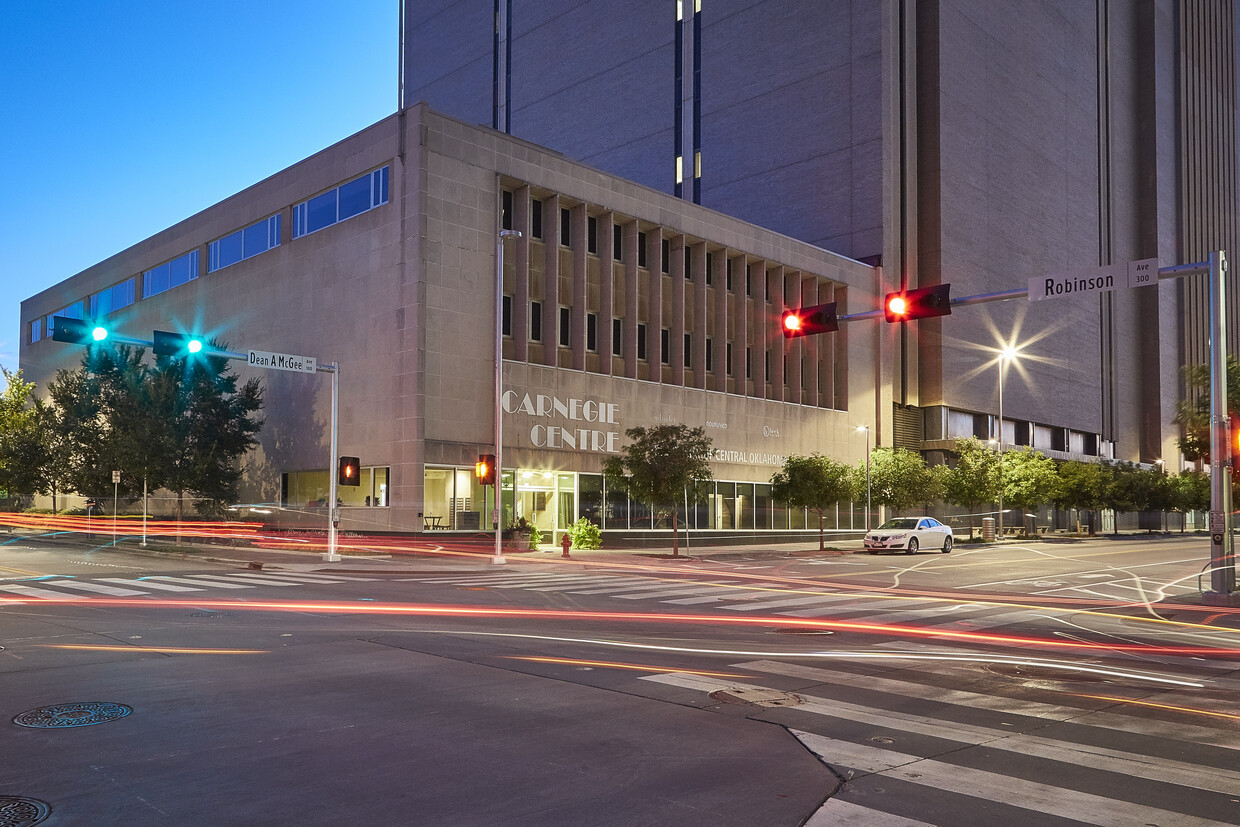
<point>123,117</point>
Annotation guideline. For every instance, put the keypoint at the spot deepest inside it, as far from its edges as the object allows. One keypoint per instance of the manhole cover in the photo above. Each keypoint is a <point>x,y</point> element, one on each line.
<point>16,811</point>
<point>209,613</point>
<point>1044,673</point>
<point>758,696</point>
<point>71,715</point>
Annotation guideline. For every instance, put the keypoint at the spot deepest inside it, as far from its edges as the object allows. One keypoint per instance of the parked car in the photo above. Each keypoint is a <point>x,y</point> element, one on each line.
<point>909,534</point>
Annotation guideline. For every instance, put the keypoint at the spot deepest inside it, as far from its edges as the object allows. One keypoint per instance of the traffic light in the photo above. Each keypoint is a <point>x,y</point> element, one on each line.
<point>922,303</point>
<point>77,331</point>
<point>349,472</point>
<point>484,469</point>
<point>809,320</point>
<point>176,344</point>
<point>1235,446</point>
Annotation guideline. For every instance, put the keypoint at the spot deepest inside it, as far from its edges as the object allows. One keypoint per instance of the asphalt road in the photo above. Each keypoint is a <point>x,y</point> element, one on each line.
<point>1048,684</point>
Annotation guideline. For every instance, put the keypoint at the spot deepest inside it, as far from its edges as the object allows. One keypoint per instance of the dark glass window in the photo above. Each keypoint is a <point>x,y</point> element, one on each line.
<point>665,346</point>
<point>355,198</point>
<point>506,323</point>
<point>641,249</point>
<point>617,242</point>
<point>592,332</point>
<point>591,234</point>
<point>688,350</point>
<point>727,358</point>
<point>667,255</point>
<point>641,341</point>
<point>709,266</point>
<point>345,201</point>
<point>114,298</point>
<point>616,330</point>
<point>536,218</point>
<point>535,321</point>
<point>566,226</point>
<point>506,218</point>
<point>254,239</point>
<point>320,212</point>
<point>170,274</point>
<point>565,341</point>
<point>709,356</point>
<point>688,262</point>
<point>727,266</point>
<point>590,493</point>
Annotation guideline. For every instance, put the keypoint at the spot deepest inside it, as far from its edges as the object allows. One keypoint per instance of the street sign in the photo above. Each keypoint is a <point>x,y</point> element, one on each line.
<point>282,361</point>
<point>116,477</point>
<point>1097,280</point>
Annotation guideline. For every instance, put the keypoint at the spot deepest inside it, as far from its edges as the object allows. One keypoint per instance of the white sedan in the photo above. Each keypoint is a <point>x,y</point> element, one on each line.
<point>909,534</point>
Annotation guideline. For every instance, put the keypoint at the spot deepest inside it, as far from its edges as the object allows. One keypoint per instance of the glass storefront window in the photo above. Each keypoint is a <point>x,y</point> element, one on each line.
<point>762,505</point>
<point>744,505</point>
<point>590,497</point>
<point>310,489</point>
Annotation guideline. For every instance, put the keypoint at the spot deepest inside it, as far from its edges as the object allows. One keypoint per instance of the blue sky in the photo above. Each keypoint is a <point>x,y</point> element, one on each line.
<point>123,117</point>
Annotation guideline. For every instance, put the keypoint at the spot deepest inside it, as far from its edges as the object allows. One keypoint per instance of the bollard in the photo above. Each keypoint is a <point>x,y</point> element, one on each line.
<point>566,542</point>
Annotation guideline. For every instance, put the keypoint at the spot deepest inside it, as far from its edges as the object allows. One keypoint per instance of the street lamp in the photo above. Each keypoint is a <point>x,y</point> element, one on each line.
<point>866,428</point>
<point>498,558</point>
<point>1006,354</point>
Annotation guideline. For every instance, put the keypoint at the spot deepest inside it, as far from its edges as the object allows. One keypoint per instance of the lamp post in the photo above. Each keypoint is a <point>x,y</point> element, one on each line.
<point>1004,355</point>
<point>866,428</point>
<point>498,558</point>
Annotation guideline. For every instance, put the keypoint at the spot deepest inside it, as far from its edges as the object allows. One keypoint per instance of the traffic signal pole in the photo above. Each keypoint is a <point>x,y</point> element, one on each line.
<point>333,519</point>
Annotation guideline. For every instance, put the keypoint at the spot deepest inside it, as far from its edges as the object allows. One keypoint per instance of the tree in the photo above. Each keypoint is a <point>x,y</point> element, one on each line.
<point>814,482</point>
<point>660,465</point>
<point>1029,479</point>
<point>24,451</point>
<point>899,478</point>
<point>1081,486</point>
<point>1193,414</point>
<point>974,481</point>
<point>182,424</point>
<point>1190,491</point>
<point>1121,493</point>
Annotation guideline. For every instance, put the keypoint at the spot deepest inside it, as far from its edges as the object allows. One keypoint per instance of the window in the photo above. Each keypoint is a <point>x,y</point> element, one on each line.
<point>536,218</point>
<point>727,358</point>
<point>591,234</point>
<point>170,274</point>
<point>665,347</point>
<point>617,242</point>
<point>748,283</point>
<point>616,330</point>
<point>254,239</point>
<point>688,262</point>
<point>535,321</point>
<point>641,249</point>
<point>667,255</point>
<point>709,266</point>
<point>592,332</point>
<point>566,226</point>
<point>36,330</point>
<point>114,298</point>
<point>709,356</point>
<point>345,201</point>
<point>748,363</point>
<point>728,270</point>
<point>641,341</point>
<point>506,320</point>
<point>506,218</point>
<point>77,310</point>
<point>688,350</point>
<point>565,340</point>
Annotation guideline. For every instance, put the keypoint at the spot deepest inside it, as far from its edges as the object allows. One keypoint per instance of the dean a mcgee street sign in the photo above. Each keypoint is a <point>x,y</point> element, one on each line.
<point>282,361</point>
<point>1097,280</point>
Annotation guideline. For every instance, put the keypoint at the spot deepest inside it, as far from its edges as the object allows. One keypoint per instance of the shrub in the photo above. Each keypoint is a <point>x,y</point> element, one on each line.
<point>585,534</point>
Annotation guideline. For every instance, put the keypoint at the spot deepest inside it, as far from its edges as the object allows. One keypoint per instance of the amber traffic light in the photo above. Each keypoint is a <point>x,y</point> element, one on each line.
<point>484,469</point>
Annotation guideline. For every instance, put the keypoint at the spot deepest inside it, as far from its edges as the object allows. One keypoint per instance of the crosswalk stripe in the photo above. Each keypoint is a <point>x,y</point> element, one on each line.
<point>97,588</point>
<point>256,580</point>
<point>319,578</point>
<point>791,601</point>
<point>588,582</point>
<point>648,595</point>
<point>199,582</point>
<point>1030,795</point>
<point>1226,782</point>
<point>873,608</point>
<point>837,813</point>
<point>30,591</point>
<point>724,594</point>
<point>147,584</point>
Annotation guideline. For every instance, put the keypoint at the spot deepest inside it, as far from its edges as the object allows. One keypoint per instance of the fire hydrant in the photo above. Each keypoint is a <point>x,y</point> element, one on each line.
<point>566,542</point>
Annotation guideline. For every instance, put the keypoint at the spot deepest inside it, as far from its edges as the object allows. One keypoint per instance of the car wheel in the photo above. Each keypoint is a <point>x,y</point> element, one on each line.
<point>947,545</point>
<point>912,546</point>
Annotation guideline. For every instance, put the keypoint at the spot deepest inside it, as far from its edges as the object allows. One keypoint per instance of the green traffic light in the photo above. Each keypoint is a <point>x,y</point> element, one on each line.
<point>99,333</point>
<point>194,345</point>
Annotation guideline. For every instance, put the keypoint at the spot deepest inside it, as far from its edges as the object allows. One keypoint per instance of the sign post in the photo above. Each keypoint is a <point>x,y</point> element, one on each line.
<point>116,482</point>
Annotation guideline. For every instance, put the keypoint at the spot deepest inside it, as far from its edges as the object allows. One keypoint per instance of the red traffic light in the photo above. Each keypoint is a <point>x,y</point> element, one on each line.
<point>349,472</point>
<point>922,303</point>
<point>484,469</point>
<point>805,321</point>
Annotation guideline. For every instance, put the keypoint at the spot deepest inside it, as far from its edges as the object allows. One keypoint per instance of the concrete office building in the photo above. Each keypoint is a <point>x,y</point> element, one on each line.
<point>976,144</point>
<point>622,306</point>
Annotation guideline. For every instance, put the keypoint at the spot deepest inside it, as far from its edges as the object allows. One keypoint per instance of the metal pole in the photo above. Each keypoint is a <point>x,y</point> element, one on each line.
<point>498,558</point>
<point>1222,545</point>
<point>114,499</point>
<point>1002,358</point>
<point>868,505</point>
<point>333,514</point>
<point>144,512</point>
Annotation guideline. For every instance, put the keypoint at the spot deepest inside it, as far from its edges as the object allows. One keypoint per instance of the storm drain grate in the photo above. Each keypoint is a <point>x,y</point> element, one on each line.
<point>756,696</point>
<point>16,811</point>
<point>71,715</point>
<point>209,613</point>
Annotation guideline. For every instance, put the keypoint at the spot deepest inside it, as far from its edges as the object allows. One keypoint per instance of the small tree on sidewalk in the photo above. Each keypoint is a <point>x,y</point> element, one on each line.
<point>659,466</point>
<point>814,482</point>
